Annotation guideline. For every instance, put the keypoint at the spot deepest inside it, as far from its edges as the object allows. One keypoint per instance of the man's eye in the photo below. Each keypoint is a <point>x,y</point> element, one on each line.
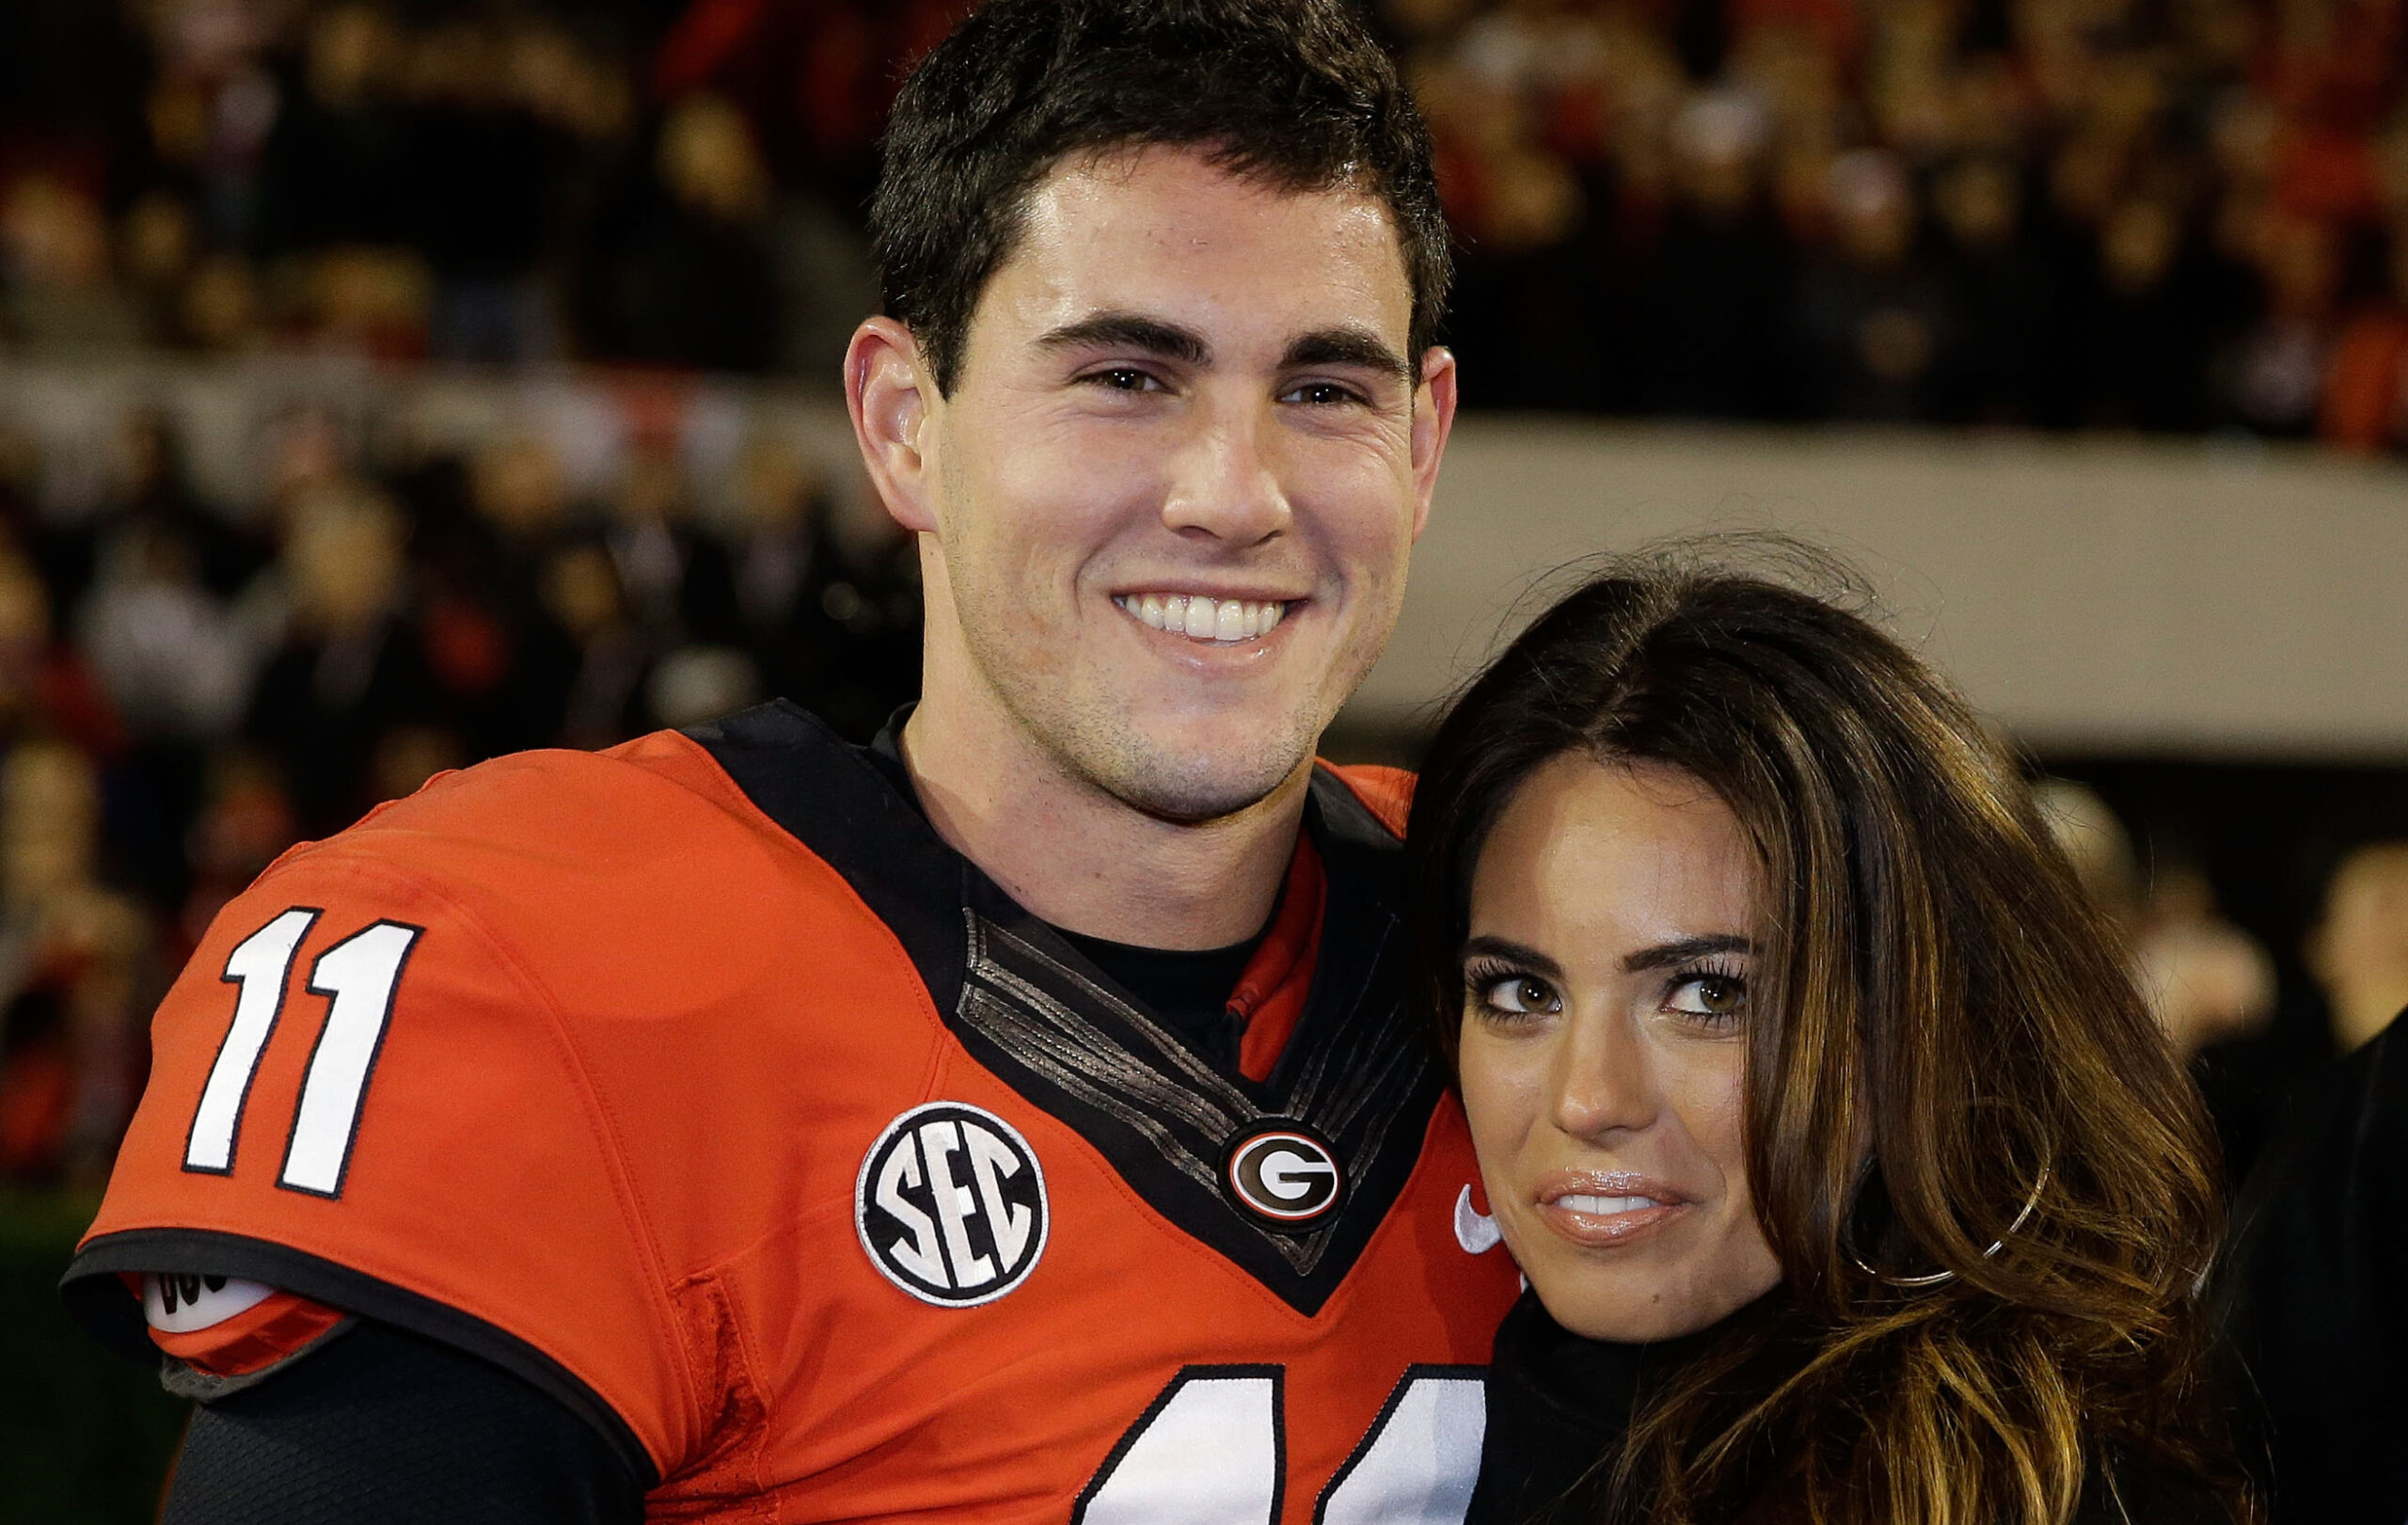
<point>1122,378</point>
<point>1318,394</point>
<point>1519,995</point>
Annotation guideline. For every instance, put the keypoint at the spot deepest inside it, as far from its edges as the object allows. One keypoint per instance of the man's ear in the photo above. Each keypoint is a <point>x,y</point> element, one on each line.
<point>1433,420</point>
<point>888,390</point>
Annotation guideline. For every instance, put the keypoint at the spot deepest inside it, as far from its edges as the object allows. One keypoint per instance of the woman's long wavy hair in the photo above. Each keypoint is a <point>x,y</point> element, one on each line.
<point>1947,1056</point>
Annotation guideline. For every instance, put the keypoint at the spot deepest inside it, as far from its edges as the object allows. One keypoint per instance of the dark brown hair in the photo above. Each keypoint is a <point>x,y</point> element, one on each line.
<point>1295,93</point>
<point>1945,1032</point>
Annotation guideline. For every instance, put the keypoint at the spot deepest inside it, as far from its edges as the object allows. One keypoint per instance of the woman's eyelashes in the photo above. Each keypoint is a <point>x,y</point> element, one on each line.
<point>1709,997</point>
<point>1504,993</point>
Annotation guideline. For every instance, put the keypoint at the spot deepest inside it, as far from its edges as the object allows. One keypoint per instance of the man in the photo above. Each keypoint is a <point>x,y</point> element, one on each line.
<point>2319,1246</point>
<point>1015,1119</point>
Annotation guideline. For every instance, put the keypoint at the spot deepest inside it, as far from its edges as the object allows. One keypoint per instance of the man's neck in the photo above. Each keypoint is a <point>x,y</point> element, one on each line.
<point>1085,861</point>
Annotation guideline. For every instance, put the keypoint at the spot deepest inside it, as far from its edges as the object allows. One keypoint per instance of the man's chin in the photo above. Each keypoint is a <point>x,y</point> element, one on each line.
<point>1197,787</point>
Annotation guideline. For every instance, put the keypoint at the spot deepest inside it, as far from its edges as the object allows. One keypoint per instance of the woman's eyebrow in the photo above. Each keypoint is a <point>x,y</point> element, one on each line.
<point>1506,950</point>
<point>1684,950</point>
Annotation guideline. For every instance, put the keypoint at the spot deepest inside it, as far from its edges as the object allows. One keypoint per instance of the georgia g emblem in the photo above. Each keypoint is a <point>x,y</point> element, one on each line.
<point>951,1204</point>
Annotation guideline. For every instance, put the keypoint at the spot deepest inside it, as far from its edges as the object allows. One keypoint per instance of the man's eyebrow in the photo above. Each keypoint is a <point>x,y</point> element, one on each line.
<point>1131,331</point>
<point>1685,950</point>
<point>1346,347</point>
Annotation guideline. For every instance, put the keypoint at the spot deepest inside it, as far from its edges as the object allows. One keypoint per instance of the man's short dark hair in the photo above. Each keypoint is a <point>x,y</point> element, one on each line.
<point>1294,93</point>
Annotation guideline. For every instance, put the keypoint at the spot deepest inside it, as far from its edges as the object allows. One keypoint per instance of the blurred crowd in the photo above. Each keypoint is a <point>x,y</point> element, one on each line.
<point>189,686</point>
<point>2257,1017</point>
<point>2165,214</point>
<point>2170,214</point>
<point>620,181</point>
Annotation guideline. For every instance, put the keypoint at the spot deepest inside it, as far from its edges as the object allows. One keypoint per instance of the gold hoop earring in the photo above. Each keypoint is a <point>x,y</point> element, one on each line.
<point>1934,1279</point>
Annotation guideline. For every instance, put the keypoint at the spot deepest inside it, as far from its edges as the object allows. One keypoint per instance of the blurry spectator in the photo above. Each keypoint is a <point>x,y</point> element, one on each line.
<point>582,592</point>
<point>2149,342</point>
<point>483,164</point>
<point>2312,1281</point>
<point>1877,330</point>
<point>682,271</point>
<point>2207,981</point>
<point>244,821</point>
<point>675,579</point>
<point>75,974</point>
<point>2358,950</point>
<point>834,629</point>
<point>47,687</point>
<point>2366,384</point>
<point>338,160</point>
<point>60,298</point>
<point>815,77</point>
<point>2277,369</point>
<point>1721,284</point>
<point>349,670</point>
<point>176,659</point>
<point>2000,297</point>
<point>696,683</point>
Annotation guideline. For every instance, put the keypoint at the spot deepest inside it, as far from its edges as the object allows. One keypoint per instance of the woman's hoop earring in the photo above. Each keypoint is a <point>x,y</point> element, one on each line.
<point>1935,1279</point>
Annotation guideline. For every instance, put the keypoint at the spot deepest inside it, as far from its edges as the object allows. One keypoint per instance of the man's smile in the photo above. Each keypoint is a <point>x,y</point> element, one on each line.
<point>1203,617</point>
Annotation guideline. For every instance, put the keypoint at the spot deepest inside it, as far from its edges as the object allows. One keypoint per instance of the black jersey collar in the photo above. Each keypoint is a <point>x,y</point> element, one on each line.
<point>1035,1011</point>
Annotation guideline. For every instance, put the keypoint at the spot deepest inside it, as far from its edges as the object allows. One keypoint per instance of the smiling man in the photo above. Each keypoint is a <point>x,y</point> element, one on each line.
<point>1018,1118</point>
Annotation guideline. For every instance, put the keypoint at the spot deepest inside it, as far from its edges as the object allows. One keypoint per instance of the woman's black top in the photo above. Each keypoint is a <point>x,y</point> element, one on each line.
<point>1559,1407</point>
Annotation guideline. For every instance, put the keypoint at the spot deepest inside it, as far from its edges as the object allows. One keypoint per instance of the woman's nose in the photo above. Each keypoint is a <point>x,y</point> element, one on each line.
<point>1601,1081</point>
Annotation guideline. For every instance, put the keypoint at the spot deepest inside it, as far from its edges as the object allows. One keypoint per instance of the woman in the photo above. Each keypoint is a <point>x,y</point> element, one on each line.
<point>1851,1179</point>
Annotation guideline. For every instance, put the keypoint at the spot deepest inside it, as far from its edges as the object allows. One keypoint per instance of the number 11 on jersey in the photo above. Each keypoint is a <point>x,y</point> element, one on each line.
<point>358,977</point>
<point>1210,1451</point>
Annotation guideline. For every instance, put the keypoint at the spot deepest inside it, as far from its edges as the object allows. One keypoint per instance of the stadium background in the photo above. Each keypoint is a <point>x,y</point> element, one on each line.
<point>384,385</point>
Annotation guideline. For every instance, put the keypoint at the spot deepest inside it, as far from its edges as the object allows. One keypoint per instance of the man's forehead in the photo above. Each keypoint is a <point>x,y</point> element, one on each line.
<point>1168,231</point>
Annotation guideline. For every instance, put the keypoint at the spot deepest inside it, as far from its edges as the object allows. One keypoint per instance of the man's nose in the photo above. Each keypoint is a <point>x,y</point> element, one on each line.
<point>1226,482</point>
<point>1600,1081</point>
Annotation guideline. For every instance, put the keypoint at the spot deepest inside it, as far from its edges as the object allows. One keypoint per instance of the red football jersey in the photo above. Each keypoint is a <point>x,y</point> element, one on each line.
<point>698,1083</point>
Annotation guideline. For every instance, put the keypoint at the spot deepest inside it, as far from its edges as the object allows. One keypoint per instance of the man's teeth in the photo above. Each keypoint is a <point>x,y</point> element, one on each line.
<point>1603,1207</point>
<point>1199,618</point>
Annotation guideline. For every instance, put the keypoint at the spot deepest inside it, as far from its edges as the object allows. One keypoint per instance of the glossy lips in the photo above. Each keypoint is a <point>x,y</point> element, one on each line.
<point>1606,1210</point>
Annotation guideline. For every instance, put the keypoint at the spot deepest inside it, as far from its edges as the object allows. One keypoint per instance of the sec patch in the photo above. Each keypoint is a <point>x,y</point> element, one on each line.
<point>951,1204</point>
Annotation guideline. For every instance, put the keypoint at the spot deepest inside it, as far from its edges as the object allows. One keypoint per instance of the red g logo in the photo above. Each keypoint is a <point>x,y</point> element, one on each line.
<point>1284,1176</point>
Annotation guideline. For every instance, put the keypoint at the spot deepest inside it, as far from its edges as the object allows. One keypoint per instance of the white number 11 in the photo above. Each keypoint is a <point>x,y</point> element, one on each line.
<point>357,975</point>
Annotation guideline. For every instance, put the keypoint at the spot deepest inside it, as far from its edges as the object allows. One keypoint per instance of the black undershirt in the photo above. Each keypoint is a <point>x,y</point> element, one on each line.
<point>380,1426</point>
<point>384,1427</point>
<point>1188,991</point>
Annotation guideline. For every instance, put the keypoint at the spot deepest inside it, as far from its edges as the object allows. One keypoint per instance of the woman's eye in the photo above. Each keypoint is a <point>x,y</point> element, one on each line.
<point>1716,997</point>
<point>1519,995</point>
